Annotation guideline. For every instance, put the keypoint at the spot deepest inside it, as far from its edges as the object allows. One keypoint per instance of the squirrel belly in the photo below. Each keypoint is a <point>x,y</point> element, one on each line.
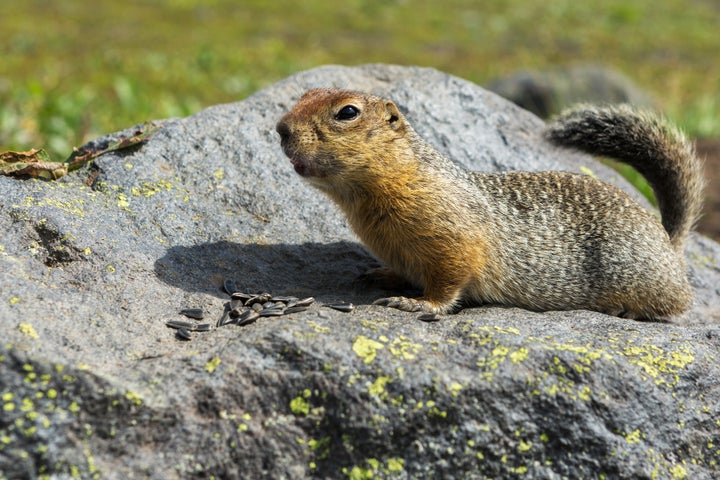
<point>538,240</point>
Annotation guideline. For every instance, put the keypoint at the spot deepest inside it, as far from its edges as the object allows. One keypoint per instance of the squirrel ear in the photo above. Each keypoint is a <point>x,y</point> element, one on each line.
<point>392,115</point>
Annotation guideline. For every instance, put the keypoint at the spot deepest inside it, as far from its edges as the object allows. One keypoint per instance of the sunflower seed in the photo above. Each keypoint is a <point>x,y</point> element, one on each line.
<point>225,319</point>
<point>240,296</point>
<point>202,327</point>
<point>290,310</point>
<point>305,302</point>
<point>257,307</point>
<point>283,299</point>
<point>272,312</point>
<point>236,312</point>
<point>183,334</point>
<point>342,307</point>
<point>261,298</point>
<point>429,317</point>
<point>247,318</point>
<point>196,313</point>
<point>179,324</point>
<point>230,286</point>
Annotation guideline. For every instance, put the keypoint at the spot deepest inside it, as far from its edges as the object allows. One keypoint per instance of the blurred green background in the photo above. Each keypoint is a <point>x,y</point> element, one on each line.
<point>74,70</point>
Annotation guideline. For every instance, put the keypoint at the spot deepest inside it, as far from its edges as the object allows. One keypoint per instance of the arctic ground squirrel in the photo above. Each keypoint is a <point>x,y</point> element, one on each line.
<point>537,240</point>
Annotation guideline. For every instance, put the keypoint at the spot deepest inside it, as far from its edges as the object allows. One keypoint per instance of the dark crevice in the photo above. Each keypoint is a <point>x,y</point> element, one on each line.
<point>59,250</point>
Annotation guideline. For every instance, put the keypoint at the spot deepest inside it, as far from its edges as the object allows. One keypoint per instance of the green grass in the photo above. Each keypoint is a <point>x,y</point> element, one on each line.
<point>74,70</point>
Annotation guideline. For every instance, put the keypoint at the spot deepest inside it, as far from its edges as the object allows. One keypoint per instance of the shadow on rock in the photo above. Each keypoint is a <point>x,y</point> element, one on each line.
<point>315,269</point>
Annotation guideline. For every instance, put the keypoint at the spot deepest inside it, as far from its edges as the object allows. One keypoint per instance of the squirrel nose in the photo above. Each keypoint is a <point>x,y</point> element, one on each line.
<point>283,129</point>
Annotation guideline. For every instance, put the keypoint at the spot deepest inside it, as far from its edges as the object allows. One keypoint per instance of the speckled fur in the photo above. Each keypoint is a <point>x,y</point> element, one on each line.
<point>541,240</point>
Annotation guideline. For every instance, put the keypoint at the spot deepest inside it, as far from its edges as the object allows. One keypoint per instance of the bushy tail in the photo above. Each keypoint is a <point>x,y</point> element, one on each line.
<point>655,148</point>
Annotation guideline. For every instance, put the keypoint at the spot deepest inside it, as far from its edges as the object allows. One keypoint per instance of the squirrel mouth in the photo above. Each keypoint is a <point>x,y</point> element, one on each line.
<point>301,166</point>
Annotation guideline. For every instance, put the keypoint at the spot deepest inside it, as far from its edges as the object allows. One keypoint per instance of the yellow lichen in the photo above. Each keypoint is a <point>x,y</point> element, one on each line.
<point>366,348</point>
<point>29,330</point>
<point>519,355</point>
<point>662,365</point>
<point>122,201</point>
<point>395,464</point>
<point>404,348</point>
<point>212,364</point>
<point>378,386</point>
<point>148,189</point>
<point>633,437</point>
<point>587,171</point>
<point>524,446</point>
<point>299,406</point>
<point>71,206</point>
<point>455,388</point>
<point>678,472</point>
<point>132,396</point>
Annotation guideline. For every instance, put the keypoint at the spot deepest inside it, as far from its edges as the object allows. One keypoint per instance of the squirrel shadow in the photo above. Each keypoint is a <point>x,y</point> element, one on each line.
<point>327,271</point>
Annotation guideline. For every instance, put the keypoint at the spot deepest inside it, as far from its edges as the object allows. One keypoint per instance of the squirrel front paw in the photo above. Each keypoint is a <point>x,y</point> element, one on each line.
<point>406,304</point>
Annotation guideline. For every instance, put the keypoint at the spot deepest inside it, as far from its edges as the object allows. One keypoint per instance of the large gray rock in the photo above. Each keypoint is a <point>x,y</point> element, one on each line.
<point>547,92</point>
<point>93,384</point>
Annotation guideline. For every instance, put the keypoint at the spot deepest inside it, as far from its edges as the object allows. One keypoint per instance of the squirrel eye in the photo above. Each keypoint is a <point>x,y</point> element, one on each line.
<point>348,112</point>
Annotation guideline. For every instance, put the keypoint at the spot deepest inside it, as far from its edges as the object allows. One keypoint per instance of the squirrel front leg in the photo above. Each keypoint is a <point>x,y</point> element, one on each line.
<point>440,295</point>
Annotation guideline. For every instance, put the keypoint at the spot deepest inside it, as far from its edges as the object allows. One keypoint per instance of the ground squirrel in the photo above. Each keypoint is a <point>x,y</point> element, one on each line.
<point>538,240</point>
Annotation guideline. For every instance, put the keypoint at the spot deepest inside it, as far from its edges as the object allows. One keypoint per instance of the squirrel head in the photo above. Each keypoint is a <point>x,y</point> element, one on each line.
<point>334,138</point>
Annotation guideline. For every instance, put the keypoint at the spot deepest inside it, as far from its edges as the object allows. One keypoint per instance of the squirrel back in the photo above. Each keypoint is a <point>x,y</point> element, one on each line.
<point>655,148</point>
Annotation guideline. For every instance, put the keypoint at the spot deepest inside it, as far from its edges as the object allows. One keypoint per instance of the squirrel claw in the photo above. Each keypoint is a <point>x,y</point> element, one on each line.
<point>405,304</point>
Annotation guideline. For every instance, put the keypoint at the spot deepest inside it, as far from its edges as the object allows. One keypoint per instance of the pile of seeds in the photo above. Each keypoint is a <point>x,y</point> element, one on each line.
<point>245,308</point>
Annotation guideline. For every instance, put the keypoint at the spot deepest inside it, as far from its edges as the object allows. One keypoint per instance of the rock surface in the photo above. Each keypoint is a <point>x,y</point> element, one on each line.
<point>93,384</point>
